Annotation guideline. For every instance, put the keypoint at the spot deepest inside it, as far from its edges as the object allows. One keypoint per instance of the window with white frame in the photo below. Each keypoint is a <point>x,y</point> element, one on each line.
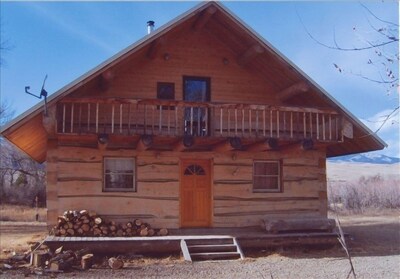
<point>119,175</point>
<point>267,176</point>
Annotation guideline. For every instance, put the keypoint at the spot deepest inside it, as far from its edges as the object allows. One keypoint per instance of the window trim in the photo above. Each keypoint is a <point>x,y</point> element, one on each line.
<point>134,181</point>
<point>279,176</point>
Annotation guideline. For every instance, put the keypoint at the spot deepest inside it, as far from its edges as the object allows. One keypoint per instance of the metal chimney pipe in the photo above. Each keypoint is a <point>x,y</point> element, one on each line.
<point>150,26</point>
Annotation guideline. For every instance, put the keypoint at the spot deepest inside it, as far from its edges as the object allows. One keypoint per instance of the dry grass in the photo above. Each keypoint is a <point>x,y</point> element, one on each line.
<point>21,213</point>
<point>367,195</point>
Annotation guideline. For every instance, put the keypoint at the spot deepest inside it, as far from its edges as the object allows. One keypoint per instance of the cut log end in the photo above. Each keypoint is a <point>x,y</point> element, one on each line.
<point>115,263</point>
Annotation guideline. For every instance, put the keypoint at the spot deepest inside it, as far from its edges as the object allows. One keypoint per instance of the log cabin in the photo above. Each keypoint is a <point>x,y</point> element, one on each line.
<point>201,123</point>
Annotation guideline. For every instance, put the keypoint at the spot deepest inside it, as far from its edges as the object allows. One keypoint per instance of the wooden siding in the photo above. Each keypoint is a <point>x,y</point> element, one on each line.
<point>75,181</point>
<point>194,54</point>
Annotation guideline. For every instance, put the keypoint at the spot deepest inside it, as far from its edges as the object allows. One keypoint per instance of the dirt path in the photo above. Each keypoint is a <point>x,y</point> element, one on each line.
<point>374,243</point>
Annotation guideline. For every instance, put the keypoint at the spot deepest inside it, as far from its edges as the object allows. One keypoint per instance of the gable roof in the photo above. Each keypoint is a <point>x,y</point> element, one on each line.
<point>240,37</point>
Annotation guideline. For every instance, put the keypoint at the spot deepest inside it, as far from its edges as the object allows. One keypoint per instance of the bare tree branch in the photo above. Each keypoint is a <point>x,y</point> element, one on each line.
<point>374,15</point>
<point>337,47</point>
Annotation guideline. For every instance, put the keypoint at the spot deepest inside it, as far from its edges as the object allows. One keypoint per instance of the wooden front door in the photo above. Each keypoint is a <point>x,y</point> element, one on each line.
<point>195,199</point>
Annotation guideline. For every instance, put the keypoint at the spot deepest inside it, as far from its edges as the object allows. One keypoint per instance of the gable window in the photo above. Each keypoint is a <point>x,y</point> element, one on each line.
<point>119,175</point>
<point>267,176</point>
<point>166,91</point>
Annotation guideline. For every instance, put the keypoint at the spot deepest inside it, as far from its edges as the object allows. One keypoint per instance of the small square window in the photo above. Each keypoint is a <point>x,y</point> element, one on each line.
<point>166,91</point>
<point>119,175</point>
<point>266,176</point>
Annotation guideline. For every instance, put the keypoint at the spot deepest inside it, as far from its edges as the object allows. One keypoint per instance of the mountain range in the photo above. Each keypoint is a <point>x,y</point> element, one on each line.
<point>370,158</point>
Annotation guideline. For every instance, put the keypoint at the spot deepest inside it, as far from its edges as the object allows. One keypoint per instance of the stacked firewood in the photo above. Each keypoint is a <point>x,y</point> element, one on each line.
<point>64,260</point>
<point>88,223</point>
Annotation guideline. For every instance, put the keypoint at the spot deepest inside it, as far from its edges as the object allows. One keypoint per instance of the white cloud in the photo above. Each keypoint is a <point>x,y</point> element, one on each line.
<point>389,130</point>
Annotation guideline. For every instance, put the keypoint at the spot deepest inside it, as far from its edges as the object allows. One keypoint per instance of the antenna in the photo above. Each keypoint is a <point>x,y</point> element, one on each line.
<point>43,93</point>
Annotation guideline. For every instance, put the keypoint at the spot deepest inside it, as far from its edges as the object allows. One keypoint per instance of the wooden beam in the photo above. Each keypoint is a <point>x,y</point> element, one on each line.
<point>203,18</point>
<point>145,142</point>
<point>293,90</point>
<point>154,48</point>
<point>251,53</point>
<point>269,144</point>
<point>228,145</point>
<point>186,142</point>
<point>49,122</point>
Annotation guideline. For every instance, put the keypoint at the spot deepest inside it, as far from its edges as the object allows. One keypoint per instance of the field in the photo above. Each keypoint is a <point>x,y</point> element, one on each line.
<point>374,242</point>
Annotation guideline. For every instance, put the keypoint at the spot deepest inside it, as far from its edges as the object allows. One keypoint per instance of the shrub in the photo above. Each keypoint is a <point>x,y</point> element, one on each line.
<point>374,192</point>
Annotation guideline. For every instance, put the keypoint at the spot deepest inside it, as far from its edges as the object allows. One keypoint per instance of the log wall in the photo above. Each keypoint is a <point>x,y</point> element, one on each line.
<point>75,181</point>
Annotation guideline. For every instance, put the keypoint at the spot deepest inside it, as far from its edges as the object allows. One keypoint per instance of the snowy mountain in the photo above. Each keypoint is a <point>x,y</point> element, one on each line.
<point>366,158</point>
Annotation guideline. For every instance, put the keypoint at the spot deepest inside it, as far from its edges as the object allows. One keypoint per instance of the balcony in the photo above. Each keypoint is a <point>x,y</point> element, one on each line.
<point>128,117</point>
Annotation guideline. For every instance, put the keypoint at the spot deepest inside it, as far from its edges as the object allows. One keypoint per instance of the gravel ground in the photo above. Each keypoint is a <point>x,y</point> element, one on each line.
<point>273,266</point>
<point>374,244</point>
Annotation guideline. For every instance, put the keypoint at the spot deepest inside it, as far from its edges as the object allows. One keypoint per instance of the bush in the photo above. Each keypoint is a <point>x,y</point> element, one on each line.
<point>372,192</point>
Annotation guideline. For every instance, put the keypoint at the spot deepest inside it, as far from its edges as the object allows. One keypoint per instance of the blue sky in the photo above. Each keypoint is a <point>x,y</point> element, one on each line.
<point>67,39</point>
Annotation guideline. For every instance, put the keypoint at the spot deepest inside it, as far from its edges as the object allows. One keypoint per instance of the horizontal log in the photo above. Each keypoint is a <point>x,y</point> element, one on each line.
<point>263,199</point>
<point>111,196</point>
<point>304,224</point>
<point>262,212</point>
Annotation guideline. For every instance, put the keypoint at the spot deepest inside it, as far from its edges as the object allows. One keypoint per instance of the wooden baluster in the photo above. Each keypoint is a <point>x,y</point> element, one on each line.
<point>323,127</point>
<point>176,121</point>
<point>153,109</point>
<point>129,119</point>
<point>145,120</point>
<point>169,119</point>
<point>264,121</point>
<point>277,124</point>
<point>291,124</point>
<point>304,125</point>
<point>317,125</point>
<point>63,124</point>
<point>88,118</point>
<point>256,123</point>
<point>191,120</point>
<point>112,118</point>
<point>97,118</point>
<point>80,119</point>
<point>250,120</point>
<point>311,126</point>
<point>198,121</point>
<point>284,124</point>
<point>72,118</point>
<point>229,122</point>
<point>235,122</point>
<point>206,122</point>
<point>120,118</point>
<point>330,127</point>
<point>243,130</point>
<point>136,116</point>
<point>270,123</point>
<point>160,120</point>
<point>337,128</point>
<point>220,122</point>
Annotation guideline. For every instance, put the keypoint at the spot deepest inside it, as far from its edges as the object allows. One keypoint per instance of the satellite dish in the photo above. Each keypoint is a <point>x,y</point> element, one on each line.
<point>43,93</point>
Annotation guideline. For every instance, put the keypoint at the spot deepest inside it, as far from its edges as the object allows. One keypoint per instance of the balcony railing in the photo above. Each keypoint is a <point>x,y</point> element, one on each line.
<point>178,118</point>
